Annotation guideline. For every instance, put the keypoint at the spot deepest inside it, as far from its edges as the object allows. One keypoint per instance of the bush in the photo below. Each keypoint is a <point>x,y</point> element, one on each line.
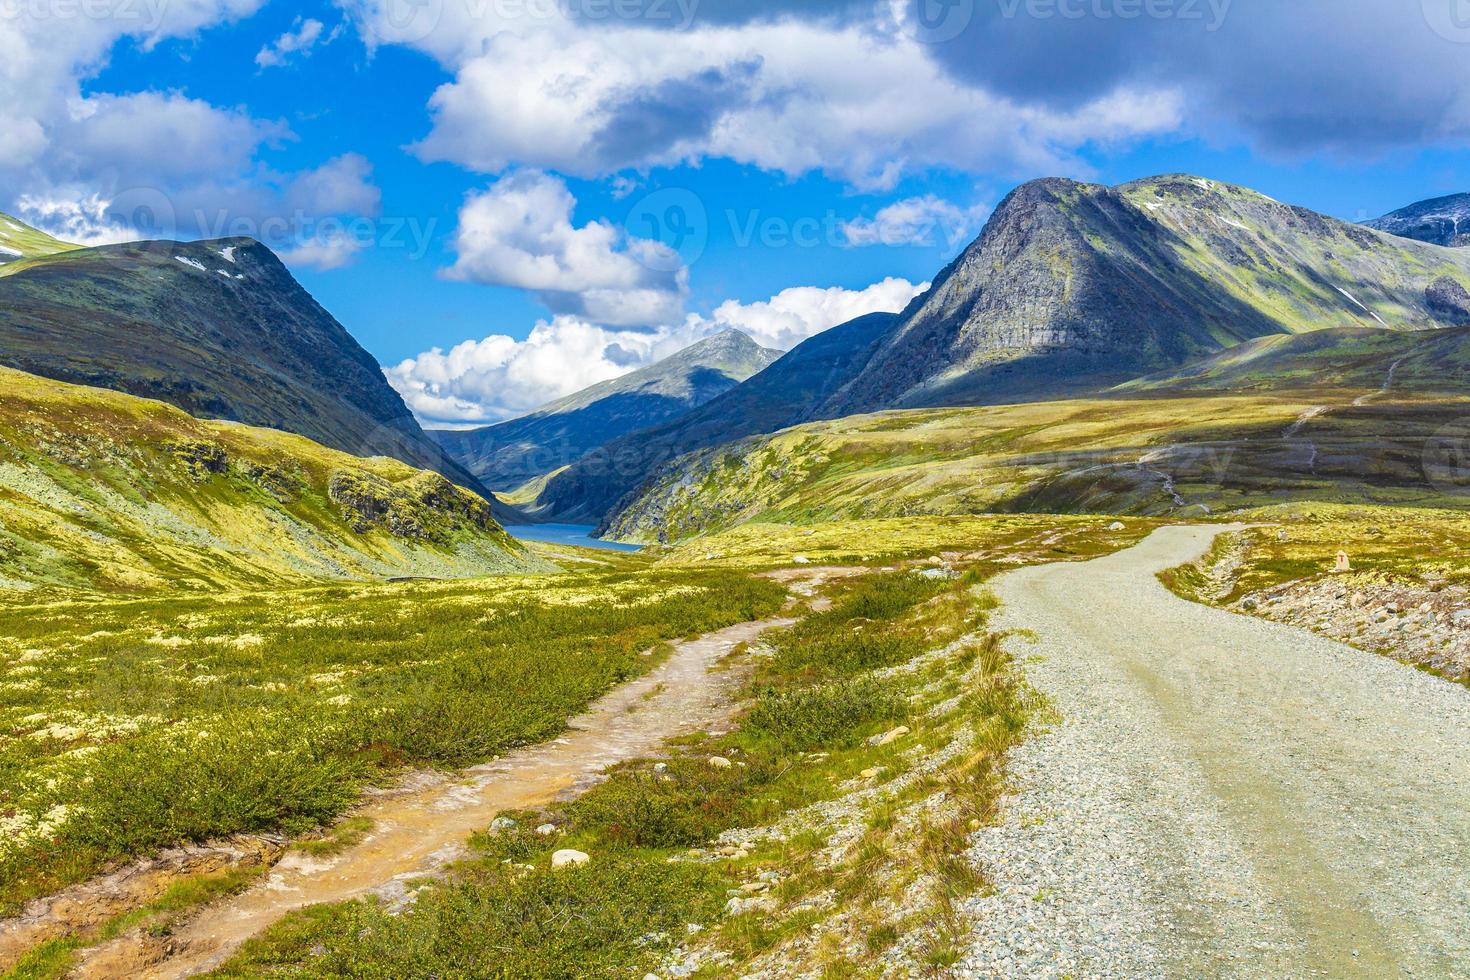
<point>829,716</point>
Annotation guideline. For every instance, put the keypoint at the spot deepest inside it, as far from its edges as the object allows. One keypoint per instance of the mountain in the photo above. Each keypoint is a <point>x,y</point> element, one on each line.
<point>507,455</point>
<point>1441,221</point>
<point>100,490</point>
<point>219,329</point>
<point>1072,287</point>
<point>1345,415</point>
<point>20,241</point>
<point>783,394</point>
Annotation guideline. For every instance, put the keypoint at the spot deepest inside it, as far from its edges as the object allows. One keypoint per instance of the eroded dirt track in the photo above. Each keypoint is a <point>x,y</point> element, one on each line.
<point>418,829</point>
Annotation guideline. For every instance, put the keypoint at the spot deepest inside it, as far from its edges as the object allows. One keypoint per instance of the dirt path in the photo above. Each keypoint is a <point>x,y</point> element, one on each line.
<point>419,829</point>
<point>1224,796</point>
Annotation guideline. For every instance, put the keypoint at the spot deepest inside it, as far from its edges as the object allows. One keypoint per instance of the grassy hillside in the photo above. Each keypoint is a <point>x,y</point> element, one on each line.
<point>20,241</point>
<point>220,329</point>
<point>507,455</point>
<point>101,490</point>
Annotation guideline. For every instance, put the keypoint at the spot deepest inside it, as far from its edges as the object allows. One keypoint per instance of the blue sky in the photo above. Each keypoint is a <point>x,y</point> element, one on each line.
<point>549,192</point>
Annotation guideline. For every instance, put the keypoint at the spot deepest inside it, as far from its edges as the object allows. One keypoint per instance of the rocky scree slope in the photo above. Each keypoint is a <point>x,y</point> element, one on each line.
<point>785,393</point>
<point>1077,286</point>
<point>219,329</point>
<point>100,490</point>
<point>1440,221</point>
<point>508,454</point>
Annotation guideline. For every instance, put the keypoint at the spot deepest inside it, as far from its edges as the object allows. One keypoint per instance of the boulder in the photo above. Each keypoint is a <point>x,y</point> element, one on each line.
<point>568,858</point>
<point>889,737</point>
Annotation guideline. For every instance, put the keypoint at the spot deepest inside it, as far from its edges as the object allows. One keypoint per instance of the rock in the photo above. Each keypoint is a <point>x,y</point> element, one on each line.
<point>546,829</point>
<point>870,773</point>
<point>719,762</point>
<point>502,823</point>
<point>938,573</point>
<point>739,906</point>
<point>568,858</point>
<point>1117,526</point>
<point>660,767</point>
<point>889,737</point>
<point>801,560</point>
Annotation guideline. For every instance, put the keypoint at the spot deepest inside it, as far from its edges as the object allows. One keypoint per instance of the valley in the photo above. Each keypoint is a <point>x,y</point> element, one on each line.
<point>877,656</point>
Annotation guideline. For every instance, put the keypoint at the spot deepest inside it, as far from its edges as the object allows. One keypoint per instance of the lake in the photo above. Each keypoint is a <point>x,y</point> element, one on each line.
<point>577,534</point>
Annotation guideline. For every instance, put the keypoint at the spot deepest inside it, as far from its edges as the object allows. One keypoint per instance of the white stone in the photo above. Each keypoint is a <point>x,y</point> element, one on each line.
<point>719,762</point>
<point>569,857</point>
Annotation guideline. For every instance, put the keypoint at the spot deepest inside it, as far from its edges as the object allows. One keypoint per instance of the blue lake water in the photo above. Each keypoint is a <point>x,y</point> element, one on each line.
<point>577,534</point>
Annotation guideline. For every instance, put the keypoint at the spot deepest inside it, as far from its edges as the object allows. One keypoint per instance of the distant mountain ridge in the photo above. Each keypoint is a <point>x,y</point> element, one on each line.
<point>220,329</point>
<point>1439,220</point>
<point>1072,287</point>
<point>508,454</point>
<point>785,393</point>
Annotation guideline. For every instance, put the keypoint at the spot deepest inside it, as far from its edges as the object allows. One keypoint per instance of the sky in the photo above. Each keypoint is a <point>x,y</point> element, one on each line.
<point>508,200</point>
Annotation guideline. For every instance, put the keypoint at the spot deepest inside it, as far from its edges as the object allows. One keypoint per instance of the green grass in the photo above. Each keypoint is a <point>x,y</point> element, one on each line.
<point>813,700</point>
<point>102,491</point>
<point>135,725</point>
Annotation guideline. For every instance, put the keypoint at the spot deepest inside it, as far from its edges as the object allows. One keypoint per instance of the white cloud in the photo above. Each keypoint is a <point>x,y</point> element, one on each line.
<point>926,220</point>
<point>794,314</point>
<point>520,233</point>
<point>333,248</point>
<point>500,377</point>
<point>863,101</point>
<point>109,166</point>
<point>83,221</point>
<point>301,40</point>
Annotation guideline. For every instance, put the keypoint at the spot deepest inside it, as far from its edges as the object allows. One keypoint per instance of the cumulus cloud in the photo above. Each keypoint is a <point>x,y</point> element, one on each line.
<point>1022,87</point>
<point>332,248</point>
<point>300,40</point>
<point>520,233</point>
<point>794,314</point>
<point>927,220</point>
<point>862,100</point>
<point>106,165</point>
<point>500,377</point>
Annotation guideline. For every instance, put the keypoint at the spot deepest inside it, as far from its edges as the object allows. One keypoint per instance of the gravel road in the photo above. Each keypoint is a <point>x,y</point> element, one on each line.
<point>1221,796</point>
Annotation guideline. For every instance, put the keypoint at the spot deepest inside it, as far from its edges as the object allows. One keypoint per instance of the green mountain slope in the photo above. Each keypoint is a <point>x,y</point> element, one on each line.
<point>219,329</point>
<point>507,455</point>
<point>1349,415</point>
<point>102,490</point>
<point>19,241</point>
<point>783,394</point>
<point>1072,287</point>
